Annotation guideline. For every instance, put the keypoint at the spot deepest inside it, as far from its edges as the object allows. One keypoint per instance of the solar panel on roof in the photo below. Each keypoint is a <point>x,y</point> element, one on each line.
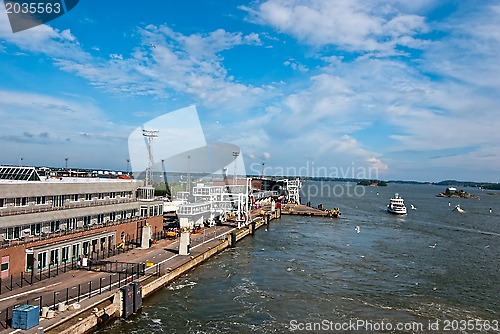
<point>19,173</point>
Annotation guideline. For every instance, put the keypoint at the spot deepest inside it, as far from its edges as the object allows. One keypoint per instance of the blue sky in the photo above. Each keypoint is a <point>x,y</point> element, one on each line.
<point>390,89</point>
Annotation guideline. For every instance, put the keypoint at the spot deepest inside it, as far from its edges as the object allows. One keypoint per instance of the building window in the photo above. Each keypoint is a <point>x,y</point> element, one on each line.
<point>100,219</point>
<point>87,221</point>
<point>144,210</point>
<point>21,201</point>
<point>76,251</point>
<point>100,196</point>
<point>42,260</point>
<point>86,246</point>
<point>35,229</point>
<point>161,210</point>
<point>2,202</point>
<point>75,198</point>
<point>13,232</point>
<point>112,195</point>
<point>54,257</point>
<point>65,254</point>
<point>55,225</point>
<point>40,200</point>
<point>71,223</point>
<point>58,200</point>
<point>88,197</point>
<point>112,216</point>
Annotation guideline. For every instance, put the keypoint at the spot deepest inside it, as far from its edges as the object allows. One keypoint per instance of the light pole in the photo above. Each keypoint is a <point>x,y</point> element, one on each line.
<point>188,185</point>
<point>235,155</point>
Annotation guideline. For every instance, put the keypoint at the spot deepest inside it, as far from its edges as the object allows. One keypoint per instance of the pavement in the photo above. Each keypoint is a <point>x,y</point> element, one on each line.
<point>89,287</point>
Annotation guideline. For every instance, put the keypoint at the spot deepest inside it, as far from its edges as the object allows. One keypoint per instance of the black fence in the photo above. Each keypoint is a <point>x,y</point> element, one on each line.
<point>75,294</point>
<point>29,278</point>
<point>117,267</point>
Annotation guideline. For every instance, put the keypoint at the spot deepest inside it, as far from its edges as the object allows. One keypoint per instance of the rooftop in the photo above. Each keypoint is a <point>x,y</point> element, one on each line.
<point>28,174</point>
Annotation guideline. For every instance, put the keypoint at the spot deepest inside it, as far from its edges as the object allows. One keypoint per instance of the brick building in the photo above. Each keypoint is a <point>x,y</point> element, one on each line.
<point>48,217</point>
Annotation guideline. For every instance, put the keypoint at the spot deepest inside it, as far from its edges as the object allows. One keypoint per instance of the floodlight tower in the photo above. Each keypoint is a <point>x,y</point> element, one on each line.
<point>149,134</point>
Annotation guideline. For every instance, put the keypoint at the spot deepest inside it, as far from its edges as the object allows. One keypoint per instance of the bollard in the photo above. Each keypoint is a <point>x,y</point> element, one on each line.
<point>232,239</point>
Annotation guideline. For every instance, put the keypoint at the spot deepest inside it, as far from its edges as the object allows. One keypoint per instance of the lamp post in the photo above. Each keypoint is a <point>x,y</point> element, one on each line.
<point>235,155</point>
<point>188,185</point>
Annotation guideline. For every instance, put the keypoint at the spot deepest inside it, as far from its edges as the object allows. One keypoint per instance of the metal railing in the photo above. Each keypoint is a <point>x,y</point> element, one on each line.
<point>72,205</point>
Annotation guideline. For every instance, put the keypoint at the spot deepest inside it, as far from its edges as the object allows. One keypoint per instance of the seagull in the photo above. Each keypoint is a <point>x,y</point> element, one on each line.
<point>357,229</point>
<point>152,45</point>
<point>433,246</point>
<point>412,207</point>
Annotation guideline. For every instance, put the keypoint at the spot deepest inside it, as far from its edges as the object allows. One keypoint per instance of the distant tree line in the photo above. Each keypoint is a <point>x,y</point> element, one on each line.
<point>484,185</point>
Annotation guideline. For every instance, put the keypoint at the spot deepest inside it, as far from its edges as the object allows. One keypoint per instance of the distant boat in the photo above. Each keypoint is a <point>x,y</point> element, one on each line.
<point>396,205</point>
<point>457,208</point>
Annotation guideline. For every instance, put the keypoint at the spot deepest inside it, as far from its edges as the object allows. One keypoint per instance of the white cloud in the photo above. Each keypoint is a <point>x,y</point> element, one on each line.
<point>75,128</point>
<point>368,26</point>
<point>295,65</point>
<point>42,39</point>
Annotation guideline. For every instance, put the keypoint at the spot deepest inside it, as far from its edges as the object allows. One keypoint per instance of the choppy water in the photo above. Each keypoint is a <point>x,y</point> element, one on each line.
<point>432,264</point>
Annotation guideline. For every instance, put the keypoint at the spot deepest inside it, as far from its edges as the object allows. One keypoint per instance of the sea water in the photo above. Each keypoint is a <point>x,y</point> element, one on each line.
<point>432,270</point>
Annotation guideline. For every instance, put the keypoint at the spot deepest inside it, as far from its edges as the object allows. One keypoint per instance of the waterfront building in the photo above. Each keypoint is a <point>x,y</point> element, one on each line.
<point>52,217</point>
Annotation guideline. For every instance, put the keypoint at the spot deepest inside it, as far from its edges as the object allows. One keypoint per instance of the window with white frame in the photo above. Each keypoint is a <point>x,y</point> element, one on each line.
<point>40,200</point>
<point>13,233</point>
<point>55,226</point>
<point>35,229</point>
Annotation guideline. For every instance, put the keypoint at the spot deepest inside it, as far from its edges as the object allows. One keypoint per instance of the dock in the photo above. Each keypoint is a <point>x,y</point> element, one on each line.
<point>304,210</point>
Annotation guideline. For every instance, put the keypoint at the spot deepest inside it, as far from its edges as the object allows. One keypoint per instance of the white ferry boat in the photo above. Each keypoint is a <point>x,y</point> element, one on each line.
<point>396,205</point>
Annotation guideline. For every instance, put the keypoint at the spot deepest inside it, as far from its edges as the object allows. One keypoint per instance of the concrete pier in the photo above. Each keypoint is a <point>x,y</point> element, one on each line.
<point>303,210</point>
